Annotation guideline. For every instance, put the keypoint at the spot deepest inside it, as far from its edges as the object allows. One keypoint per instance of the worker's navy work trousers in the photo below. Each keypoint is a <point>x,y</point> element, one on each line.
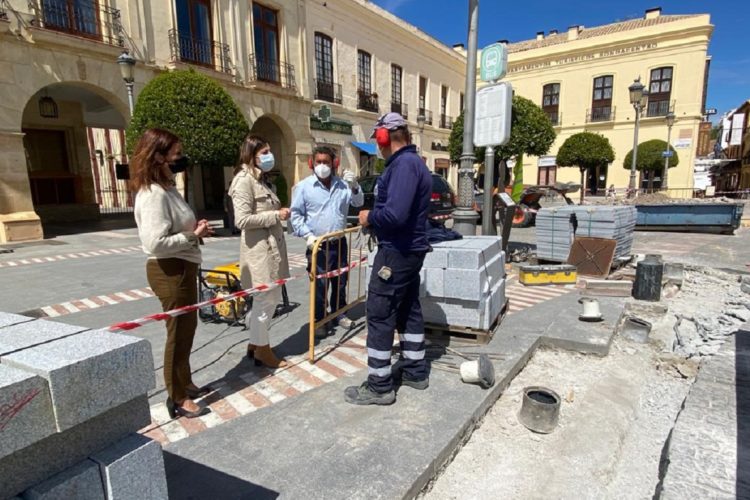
<point>393,305</point>
<point>332,255</point>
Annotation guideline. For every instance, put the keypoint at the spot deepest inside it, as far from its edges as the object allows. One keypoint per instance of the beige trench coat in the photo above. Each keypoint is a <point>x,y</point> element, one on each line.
<point>263,255</point>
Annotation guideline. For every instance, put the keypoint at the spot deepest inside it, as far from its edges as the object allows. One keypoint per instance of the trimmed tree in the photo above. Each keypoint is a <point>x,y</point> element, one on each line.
<point>196,109</point>
<point>650,160</point>
<point>585,150</point>
<point>531,133</point>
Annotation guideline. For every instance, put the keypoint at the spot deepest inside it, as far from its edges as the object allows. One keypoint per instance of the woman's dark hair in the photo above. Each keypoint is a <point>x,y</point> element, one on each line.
<point>146,170</point>
<point>249,148</point>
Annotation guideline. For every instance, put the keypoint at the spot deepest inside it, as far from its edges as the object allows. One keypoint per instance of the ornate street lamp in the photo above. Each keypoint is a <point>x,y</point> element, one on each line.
<point>421,119</point>
<point>465,217</point>
<point>670,118</point>
<point>127,67</point>
<point>638,95</point>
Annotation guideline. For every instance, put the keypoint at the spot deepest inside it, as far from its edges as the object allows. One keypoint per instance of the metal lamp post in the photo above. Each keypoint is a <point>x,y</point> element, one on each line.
<point>637,96</point>
<point>421,119</point>
<point>127,67</point>
<point>670,121</point>
<point>465,217</point>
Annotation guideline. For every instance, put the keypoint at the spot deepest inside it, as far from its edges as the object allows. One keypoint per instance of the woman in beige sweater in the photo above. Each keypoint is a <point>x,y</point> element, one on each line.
<point>170,236</point>
<point>263,259</point>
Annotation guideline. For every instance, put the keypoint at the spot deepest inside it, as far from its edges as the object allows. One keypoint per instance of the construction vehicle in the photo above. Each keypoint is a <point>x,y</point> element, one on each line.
<point>531,201</point>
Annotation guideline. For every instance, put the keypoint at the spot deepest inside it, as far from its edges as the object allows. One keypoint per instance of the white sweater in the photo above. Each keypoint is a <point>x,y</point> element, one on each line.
<point>165,224</point>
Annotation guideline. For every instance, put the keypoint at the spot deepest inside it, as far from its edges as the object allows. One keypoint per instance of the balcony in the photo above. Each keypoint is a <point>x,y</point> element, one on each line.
<point>446,122</point>
<point>555,118</point>
<point>184,48</point>
<point>367,101</point>
<point>601,114</point>
<point>86,20</point>
<point>328,91</point>
<point>400,108</point>
<point>427,115</point>
<point>659,108</point>
<point>273,72</point>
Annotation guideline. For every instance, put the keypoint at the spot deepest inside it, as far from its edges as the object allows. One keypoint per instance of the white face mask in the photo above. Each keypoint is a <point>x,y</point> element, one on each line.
<point>323,171</point>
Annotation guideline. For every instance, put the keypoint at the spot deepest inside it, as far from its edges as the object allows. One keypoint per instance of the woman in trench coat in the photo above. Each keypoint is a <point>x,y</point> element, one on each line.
<point>263,258</point>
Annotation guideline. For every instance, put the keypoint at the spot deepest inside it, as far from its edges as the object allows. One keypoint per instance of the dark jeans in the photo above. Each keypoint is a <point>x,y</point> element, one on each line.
<point>332,255</point>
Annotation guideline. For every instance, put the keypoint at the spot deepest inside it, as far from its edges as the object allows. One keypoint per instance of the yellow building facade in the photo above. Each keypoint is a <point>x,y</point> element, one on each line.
<point>580,78</point>
<point>302,72</point>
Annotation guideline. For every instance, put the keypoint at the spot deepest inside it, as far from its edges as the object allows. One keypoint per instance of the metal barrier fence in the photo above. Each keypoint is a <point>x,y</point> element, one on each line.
<point>356,249</point>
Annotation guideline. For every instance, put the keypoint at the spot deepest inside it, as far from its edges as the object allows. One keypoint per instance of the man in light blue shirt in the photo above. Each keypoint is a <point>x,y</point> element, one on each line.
<point>320,204</point>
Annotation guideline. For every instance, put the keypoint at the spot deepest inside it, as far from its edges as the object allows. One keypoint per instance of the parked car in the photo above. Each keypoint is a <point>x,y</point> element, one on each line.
<point>442,200</point>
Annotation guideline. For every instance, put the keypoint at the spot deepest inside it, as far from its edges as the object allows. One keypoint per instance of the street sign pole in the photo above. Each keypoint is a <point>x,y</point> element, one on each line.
<point>488,210</point>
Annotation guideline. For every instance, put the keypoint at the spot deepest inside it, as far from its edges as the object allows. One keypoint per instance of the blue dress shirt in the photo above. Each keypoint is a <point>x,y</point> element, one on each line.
<point>318,210</point>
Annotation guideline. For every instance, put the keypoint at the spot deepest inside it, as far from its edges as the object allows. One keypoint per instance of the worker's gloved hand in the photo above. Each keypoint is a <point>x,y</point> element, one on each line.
<point>351,179</point>
<point>311,241</point>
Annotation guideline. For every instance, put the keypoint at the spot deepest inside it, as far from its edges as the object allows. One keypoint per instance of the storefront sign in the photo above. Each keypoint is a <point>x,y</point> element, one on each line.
<point>589,56</point>
<point>704,139</point>
<point>332,125</point>
<point>441,163</point>
<point>546,161</point>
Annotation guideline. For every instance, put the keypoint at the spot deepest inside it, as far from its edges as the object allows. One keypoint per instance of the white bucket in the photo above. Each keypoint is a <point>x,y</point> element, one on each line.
<point>591,311</point>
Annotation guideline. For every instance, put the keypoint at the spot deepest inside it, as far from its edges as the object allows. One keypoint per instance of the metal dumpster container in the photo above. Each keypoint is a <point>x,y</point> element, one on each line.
<point>721,218</point>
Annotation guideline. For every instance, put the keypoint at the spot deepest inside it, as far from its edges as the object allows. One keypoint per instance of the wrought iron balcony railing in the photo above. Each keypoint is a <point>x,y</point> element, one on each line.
<point>185,48</point>
<point>84,19</point>
<point>600,114</point>
<point>328,91</point>
<point>427,115</point>
<point>367,101</point>
<point>659,108</point>
<point>400,108</point>
<point>446,121</point>
<point>554,117</point>
<point>275,72</point>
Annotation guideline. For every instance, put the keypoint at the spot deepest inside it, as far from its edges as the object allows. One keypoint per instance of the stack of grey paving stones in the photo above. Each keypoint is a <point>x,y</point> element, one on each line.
<point>462,282</point>
<point>555,230</point>
<point>71,401</point>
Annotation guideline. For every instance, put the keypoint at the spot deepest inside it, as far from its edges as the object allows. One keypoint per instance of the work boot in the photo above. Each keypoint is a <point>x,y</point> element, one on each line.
<point>363,395</point>
<point>322,332</point>
<point>264,356</point>
<point>419,385</point>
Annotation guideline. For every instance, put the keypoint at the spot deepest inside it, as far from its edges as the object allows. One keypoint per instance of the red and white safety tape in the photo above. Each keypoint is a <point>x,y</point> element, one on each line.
<point>441,217</point>
<point>137,323</point>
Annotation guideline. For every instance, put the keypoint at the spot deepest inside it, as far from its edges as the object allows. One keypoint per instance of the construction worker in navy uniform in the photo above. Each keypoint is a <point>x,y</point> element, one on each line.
<point>398,219</point>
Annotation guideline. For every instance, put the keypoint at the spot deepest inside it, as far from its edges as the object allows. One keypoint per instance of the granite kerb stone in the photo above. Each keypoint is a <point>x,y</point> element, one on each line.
<point>89,373</point>
<point>10,319</point>
<point>29,334</point>
<point>133,468</point>
<point>27,413</point>
<point>83,481</point>
<point>61,450</point>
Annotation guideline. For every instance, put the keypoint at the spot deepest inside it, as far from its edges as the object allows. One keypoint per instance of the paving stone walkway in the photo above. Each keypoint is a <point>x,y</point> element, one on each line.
<point>709,451</point>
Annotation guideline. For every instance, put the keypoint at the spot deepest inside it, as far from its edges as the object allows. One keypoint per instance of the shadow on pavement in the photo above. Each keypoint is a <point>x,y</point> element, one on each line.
<point>191,480</point>
<point>742,388</point>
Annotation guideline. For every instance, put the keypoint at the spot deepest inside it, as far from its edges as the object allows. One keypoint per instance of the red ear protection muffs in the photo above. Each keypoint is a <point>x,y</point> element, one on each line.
<point>336,162</point>
<point>383,137</point>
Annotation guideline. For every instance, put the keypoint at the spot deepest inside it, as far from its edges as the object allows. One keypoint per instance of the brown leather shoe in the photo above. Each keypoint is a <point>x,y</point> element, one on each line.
<point>251,350</point>
<point>265,356</point>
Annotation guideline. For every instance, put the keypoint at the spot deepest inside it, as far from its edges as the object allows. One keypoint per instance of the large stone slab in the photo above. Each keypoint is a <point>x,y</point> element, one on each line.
<point>80,482</point>
<point>472,314</point>
<point>62,450</point>
<point>26,413</point>
<point>133,468</point>
<point>89,373</point>
<point>474,284</point>
<point>23,335</point>
<point>9,319</point>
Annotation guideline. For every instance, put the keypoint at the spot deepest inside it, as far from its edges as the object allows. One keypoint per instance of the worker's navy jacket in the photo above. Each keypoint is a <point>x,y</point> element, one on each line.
<point>402,202</point>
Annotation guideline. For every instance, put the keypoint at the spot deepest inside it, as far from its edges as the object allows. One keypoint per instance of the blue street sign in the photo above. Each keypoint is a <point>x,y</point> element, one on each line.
<point>667,154</point>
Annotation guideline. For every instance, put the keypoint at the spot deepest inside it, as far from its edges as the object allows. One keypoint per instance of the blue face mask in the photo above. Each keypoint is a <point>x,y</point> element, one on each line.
<point>266,162</point>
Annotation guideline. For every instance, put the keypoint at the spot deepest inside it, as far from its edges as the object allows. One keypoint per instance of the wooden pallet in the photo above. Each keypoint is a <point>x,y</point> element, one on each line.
<point>466,334</point>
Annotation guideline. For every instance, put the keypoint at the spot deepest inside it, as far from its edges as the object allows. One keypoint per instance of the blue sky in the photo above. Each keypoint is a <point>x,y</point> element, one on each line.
<point>729,80</point>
